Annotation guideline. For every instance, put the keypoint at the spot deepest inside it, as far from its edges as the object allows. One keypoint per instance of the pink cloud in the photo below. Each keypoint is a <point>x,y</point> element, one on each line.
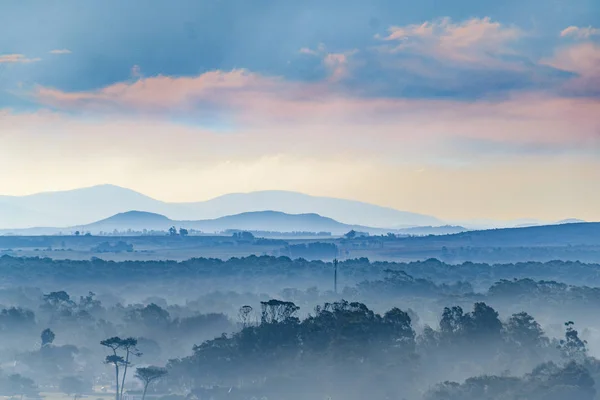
<point>162,92</point>
<point>477,41</point>
<point>17,58</point>
<point>337,63</point>
<point>580,33</point>
<point>257,103</point>
<point>582,59</point>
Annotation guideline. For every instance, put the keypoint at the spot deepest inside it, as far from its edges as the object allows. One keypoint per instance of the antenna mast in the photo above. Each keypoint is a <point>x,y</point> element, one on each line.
<point>335,265</point>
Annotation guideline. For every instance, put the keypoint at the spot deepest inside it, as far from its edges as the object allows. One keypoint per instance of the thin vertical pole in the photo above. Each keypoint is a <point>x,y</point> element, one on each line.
<point>335,265</point>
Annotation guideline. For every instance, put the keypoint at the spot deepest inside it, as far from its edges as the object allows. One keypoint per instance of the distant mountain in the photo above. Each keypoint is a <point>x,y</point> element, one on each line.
<point>346,211</point>
<point>271,221</point>
<point>14,215</point>
<point>81,206</point>
<point>274,221</point>
<point>134,220</point>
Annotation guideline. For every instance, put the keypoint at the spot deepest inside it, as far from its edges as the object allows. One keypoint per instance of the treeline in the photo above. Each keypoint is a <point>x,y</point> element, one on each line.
<point>16,270</point>
<point>345,350</point>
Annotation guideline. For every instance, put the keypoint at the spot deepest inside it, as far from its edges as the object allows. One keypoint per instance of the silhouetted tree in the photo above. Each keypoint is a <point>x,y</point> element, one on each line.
<point>350,235</point>
<point>148,375</point>
<point>116,361</point>
<point>114,344</point>
<point>572,346</point>
<point>524,331</point>
<point>47,337</point>
<point>244,315</point>
<point>275,311</point>
<point>130,347</point>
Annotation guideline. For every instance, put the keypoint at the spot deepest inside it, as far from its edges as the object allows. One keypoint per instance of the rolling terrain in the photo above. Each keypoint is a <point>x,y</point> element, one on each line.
<point>569,242</point>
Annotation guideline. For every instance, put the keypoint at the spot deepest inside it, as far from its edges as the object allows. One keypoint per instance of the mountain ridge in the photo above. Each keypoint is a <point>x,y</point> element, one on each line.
<point>78,206</point>
<point>272,221</point>
<point>90,204</point>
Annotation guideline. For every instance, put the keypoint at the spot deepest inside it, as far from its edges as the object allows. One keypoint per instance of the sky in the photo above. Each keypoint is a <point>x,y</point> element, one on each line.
<point>463,109</point>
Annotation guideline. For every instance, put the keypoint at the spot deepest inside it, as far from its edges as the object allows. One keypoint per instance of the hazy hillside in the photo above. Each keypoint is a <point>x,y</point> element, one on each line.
<point>565,234</point>
<point>134,220</point>
<point>272,221</point>
<point>74,207</point>
<point>82,206</point>
<point>346,211</point>
<point>258,221</point>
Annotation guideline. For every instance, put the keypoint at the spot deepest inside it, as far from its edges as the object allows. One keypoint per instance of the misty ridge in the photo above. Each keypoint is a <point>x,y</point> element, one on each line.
<point>265,304</point>
<point>85,206</point>
<point>82,206</point>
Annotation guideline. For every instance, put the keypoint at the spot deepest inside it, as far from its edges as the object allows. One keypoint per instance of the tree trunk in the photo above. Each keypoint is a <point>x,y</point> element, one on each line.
<point>117,375</point>
<point>145,388</point>
<point>124,373</point>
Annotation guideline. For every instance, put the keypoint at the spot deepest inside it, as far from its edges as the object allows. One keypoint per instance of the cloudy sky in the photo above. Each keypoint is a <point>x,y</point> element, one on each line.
<point>460,109</point>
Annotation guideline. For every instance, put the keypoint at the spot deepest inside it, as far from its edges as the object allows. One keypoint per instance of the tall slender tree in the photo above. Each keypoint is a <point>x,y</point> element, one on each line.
<point>130,347</point>
<point>116,361</point>
<point>114,344</point>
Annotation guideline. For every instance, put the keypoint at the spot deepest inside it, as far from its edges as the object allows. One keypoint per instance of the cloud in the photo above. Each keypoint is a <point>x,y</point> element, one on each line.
<point>477,41</point>
<point>60,51</point>
<point>313,52</point>
<point>470,59</point>
<point>255,103</point>
<point>582,59</point>
<point>580,33</point>
<point>163,93</point>
<point>336,63</point>
<point>442,55</point>
<point>17,58</point>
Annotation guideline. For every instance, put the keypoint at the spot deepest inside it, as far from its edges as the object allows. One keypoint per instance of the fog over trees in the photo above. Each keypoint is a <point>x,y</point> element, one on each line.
<point>273,327</point>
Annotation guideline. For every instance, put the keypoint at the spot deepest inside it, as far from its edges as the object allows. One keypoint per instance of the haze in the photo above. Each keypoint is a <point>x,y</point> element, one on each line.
<point>300,200</point>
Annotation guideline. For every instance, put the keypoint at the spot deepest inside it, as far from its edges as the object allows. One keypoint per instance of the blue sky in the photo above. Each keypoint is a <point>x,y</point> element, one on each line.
<point>190,37</point>
<point>449,88</point>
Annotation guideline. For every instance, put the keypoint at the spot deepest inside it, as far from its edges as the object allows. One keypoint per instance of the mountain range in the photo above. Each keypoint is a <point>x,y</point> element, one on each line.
<point>265,221</point>
<point>82,206</point>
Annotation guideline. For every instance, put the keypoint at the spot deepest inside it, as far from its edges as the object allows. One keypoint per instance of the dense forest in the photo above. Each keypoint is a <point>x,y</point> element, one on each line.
<point>241,329</point>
